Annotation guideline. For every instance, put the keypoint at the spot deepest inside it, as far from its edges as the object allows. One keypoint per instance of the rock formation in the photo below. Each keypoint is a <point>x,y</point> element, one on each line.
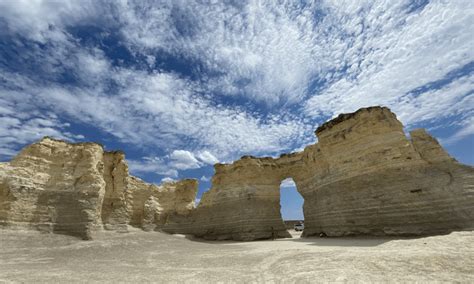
<point>364,176</point>
<point>244,201</point>
<point>77,189</point>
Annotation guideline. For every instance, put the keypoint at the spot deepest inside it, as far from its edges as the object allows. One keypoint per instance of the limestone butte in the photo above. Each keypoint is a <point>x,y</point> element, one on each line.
<point>367,177</point>
<point>243,202</point>
<point>77,189</point>
<point>364,176</point>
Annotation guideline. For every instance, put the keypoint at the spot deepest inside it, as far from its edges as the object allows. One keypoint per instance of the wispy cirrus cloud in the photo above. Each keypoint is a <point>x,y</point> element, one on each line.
<point>18,128</point>
<point>401,60</point>
<point>208,83</point>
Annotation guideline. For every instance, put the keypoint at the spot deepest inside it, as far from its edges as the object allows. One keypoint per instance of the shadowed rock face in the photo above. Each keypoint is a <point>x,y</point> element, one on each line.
<point>364,176</point>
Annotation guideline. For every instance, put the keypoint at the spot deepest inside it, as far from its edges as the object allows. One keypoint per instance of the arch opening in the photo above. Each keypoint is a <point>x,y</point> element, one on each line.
<point>291,207</point>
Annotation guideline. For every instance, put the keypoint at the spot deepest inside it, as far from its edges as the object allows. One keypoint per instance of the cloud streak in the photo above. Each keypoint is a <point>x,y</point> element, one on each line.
<point>196,84</point>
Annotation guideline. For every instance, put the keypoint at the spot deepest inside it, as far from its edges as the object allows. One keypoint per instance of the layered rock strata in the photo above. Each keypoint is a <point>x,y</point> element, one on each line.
<point>243,202</point>
<point>77,189</point>
<point>364,176</point>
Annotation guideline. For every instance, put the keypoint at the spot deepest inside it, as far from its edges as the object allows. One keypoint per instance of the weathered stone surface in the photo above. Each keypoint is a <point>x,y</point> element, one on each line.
<point>77,189</point>
<point>115,211</point>
<point>364,176</point>
<point>54,186</point>
<point>243,203</point>
<point>369,178</point>
<point>151,205</point>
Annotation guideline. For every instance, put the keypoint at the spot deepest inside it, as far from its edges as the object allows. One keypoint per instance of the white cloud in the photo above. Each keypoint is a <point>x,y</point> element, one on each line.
<point>207,157</point>
<point>453,100</point>
<point>288,183</point>
<point>184,160</point>
<point>265,51</point>
<point>167,180</point>
<point>205,178</point>
<point>397,53</point>
<point>168,165</point>
<point>18,129</point>
<point>466,130</point>
<point>151,165</point>
<point>156,110</point>
<point>304,61</point>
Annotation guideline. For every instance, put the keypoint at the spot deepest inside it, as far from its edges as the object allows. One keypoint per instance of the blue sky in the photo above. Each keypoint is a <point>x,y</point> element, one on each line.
<point>181,85</point>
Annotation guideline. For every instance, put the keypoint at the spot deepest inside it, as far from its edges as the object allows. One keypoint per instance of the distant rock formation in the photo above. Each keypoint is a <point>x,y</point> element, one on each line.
<point>364,176</point>
<point>77,189</point>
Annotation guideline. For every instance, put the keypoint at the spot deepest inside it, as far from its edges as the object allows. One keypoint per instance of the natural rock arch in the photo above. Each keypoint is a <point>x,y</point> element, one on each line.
<point>364,176</point>
<point>291,203</point>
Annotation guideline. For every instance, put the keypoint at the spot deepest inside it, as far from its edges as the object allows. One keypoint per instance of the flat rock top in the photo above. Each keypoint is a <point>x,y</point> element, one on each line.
<point>346,116</point>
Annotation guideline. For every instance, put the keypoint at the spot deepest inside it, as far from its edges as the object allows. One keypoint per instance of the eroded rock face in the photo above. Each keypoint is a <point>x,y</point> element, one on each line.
<point>364,176</point>
<point>54,186</point>
<point>76,189</point>
<point>115,213</point>
<point>243,203</point>
<point>369,178</point>
<point>151,205</point>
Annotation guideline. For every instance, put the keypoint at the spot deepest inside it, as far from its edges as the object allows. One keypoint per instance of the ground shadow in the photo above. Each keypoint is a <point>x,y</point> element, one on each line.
<point>347,241</point>
<point>342,241</point>
<point>350,241</point>
<point>315,241</point>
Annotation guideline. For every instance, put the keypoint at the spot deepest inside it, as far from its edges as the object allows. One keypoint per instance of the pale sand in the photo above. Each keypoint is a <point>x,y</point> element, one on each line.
<point>156,257</point>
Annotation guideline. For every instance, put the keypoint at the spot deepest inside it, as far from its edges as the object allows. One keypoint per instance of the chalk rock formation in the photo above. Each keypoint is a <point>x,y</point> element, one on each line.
<point>115,211</point>
<point>364,176</point>
<point>54,188</point>
<point>243,203</point>
<point>152,205</point>
<point>77,189</point>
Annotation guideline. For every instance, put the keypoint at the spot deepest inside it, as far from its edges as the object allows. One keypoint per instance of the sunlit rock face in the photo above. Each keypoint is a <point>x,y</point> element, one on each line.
<point>364,176</point>
<point>54,186</point>
<point>243,203</point>
<point>77,189</point>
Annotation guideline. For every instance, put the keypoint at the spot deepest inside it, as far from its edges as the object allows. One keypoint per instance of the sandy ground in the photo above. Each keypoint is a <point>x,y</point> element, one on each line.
<point>138,256</point>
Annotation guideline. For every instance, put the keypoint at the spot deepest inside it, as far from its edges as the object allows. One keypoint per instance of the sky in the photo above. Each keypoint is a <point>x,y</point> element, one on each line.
<point>181,85</point>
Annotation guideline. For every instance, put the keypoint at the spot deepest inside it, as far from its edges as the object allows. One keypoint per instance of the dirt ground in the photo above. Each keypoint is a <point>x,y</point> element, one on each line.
<point>28,256</point>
